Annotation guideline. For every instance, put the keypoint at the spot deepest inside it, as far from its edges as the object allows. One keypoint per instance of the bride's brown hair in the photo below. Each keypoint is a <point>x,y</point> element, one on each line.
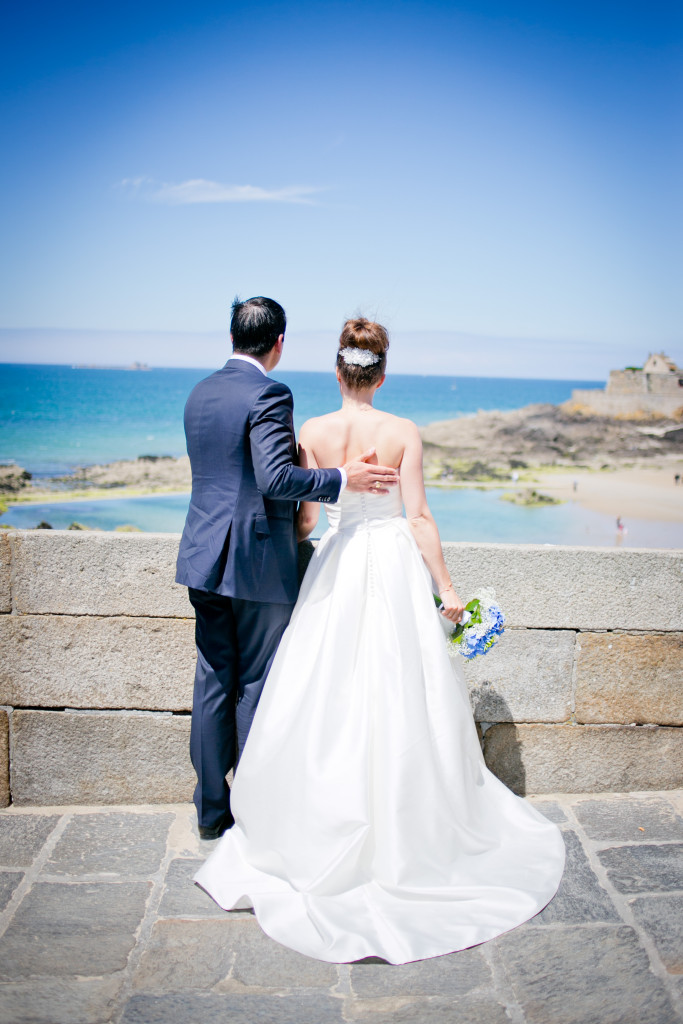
<point>363,334</point>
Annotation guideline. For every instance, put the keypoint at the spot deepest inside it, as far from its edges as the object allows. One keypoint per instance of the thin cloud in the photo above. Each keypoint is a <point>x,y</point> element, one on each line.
<point>199,190</point>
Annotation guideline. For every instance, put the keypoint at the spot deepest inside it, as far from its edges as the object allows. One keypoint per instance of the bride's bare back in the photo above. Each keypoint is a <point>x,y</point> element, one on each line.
<point>338,437</point>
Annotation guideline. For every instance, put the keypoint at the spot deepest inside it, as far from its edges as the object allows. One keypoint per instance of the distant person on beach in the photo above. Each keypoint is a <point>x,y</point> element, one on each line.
<point>366,820</point>
<point>677,479</point>
<point>238,552</point>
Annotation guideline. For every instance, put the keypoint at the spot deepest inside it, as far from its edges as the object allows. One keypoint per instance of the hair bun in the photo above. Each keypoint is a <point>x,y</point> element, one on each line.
<point>363,333</point>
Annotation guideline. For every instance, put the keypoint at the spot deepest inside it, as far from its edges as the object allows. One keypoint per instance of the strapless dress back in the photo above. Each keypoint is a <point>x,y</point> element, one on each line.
<point>356,511</point>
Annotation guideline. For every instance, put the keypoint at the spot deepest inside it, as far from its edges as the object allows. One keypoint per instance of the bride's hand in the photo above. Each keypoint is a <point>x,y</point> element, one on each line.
<point>362,477</point>
<point>451,605</point>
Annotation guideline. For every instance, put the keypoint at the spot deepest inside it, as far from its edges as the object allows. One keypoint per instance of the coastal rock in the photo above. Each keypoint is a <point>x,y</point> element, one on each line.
<point>85,661</point>
<point>625,679</point>
<point>153,472</point>
<point>541,434</point>
<point>13,479</point>
<point>132,757</point>
<point>585,758</point>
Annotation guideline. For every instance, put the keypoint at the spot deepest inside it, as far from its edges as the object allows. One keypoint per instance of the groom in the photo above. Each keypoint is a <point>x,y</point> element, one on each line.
<point>238,552</point>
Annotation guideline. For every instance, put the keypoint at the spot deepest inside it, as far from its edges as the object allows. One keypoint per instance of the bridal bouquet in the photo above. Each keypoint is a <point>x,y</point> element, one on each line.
<point>481,625</point>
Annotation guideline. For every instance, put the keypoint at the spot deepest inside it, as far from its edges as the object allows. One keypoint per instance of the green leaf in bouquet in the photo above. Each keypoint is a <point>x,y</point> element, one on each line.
<point>474,606</point>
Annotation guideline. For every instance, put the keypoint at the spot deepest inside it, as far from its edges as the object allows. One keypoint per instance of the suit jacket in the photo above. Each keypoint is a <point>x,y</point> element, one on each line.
<point>239,538</point>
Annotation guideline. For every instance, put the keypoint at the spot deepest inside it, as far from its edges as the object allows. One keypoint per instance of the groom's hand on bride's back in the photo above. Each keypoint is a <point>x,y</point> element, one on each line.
<point>362,476</point>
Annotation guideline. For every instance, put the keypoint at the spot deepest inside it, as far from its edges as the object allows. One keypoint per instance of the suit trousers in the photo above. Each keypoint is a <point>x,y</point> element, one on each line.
<point>236,644</point>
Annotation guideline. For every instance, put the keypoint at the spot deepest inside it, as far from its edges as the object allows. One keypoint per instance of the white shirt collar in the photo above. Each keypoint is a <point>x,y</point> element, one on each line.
<point>250,359</point>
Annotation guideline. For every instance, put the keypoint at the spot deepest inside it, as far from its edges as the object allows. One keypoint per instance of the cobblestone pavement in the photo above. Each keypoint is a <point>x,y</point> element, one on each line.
<point>100,922</point>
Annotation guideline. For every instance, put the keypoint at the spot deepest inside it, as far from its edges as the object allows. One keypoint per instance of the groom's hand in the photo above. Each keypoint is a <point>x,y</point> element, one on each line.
<point>363,477</point>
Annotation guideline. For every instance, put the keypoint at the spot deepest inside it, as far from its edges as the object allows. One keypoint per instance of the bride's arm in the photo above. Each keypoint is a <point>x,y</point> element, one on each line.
<point>422,523</point>
<point>308,511</point>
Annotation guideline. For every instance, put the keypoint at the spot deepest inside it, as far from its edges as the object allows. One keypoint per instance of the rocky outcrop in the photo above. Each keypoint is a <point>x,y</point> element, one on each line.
<point>13,479</point>
<point>489,444</point>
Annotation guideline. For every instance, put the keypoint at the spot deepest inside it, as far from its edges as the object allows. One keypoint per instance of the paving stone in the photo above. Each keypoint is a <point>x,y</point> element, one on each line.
<point>55,1001</point>
<point>434,1011</point>
<point>661,917</point>
<point>9,880</point>
<point>72,573</point>
<point>119,843</point>
<point>182,897</point>
<point>262,963</point>
<point>627,678</point>
<point>185,955</point>
<point>645,868</point>
<point>576,975</point>
<point>22,837</point>
<point>551,809</point>
<point>4,759</point>
<point>499,683</point>
<point>580,896</point>
<point>455,974</point>
<point>585,758</point>
<point>132,757</point>
<point>620,820</point>
<point>210,1008</point>
<point>80,929</point>
<point>84,661</point>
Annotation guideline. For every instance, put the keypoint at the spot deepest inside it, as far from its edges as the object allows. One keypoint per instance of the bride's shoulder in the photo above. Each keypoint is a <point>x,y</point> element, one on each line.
<point>400,425</point>
<point>319,425</point>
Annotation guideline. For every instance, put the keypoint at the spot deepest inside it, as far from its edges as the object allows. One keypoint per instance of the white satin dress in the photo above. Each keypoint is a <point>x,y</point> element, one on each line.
<point>367,823</point>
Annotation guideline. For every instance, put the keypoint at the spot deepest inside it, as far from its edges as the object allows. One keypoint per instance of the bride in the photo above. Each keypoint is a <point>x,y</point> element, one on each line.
<point>366,821</point>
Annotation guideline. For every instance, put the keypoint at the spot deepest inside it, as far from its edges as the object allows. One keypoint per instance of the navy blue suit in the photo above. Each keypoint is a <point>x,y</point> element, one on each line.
<point>238,556</point>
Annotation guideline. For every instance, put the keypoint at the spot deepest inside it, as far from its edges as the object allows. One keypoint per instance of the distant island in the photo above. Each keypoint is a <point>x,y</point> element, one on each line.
<point>98,366</point>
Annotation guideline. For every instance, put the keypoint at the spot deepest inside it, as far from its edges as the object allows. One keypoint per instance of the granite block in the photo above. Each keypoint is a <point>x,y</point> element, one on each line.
<point>86,661</point>
<point>630,679</point>
<point>105,757</point>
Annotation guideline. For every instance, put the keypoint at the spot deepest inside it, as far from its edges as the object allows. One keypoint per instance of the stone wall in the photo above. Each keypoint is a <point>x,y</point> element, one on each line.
<point>632,391</point>
<point>583,693</point>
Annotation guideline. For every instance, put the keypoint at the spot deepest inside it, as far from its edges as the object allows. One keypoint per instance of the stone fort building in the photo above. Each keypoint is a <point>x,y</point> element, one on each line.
<point>655,389</point>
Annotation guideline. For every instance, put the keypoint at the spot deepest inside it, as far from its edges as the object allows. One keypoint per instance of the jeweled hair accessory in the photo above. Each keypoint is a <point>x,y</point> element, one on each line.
<point>359,356</point>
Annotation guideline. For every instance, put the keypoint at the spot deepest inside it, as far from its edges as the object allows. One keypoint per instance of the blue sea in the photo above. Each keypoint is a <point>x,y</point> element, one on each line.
<point>54,418</point>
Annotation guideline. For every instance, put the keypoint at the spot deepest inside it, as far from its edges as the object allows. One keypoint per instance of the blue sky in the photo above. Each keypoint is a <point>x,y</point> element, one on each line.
<point>499,183</point>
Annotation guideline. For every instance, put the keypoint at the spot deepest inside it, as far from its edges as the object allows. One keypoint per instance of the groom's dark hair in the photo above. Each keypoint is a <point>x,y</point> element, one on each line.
<point>256,324</point>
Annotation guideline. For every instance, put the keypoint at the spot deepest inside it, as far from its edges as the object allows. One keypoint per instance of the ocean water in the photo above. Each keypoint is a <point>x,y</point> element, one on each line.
<point>464,514</point>
<point>53,418</point>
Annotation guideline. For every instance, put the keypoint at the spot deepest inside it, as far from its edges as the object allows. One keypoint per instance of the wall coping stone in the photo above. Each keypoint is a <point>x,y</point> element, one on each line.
<point>538,586</point>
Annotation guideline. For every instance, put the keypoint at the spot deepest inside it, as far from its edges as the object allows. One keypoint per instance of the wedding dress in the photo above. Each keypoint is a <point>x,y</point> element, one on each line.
<point>367,823</point>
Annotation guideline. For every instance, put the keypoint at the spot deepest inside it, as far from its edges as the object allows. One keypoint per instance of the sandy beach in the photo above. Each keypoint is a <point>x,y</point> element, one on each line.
<point>640,494</point>
<point>643,493</point>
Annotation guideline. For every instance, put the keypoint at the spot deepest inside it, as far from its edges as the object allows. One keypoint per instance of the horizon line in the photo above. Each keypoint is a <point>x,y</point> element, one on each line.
<point>146,368</point>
